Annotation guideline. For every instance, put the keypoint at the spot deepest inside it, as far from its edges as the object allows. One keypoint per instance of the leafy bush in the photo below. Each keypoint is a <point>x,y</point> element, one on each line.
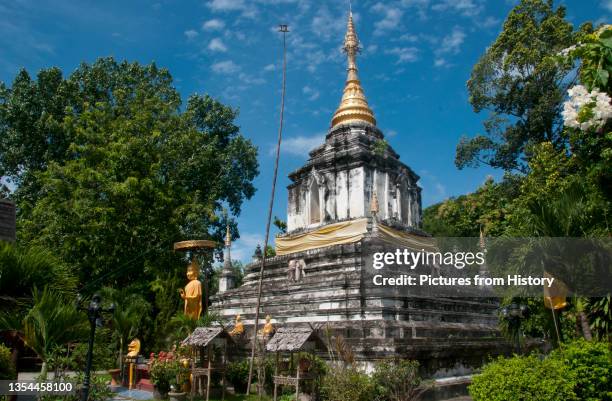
<point>164,373</point>
<point>104,353</point>
<point>397,380</point>
<point>7,369</point>
<point>348,384</point>
<point>237,373</point>
<point>524,378</point>
<point>591,363</point>
<point>98,389</point>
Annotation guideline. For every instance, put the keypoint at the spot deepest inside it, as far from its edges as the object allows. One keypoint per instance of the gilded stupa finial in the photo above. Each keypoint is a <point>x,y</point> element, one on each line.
<point>353,106</point>
<point>228,236</point>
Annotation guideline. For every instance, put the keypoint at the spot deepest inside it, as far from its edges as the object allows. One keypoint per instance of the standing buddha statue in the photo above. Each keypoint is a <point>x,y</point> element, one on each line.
<point>192,294</point>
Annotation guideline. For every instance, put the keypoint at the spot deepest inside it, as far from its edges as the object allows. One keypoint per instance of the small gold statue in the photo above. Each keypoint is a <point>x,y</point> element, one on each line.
<point>238,327</point>
<point>192,294</point>
<point>268,328</point>
<point>133,348</point>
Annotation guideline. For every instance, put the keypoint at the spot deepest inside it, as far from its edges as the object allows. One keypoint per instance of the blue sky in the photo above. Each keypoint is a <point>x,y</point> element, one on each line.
<point>417,56</point>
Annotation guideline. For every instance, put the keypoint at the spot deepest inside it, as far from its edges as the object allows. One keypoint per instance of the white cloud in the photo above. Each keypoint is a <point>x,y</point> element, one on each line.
<point>225,67</point>
<point>217,45</point>
<point>244,247</point>
<point>466,8</point>
<point>391,133</point>
<point>191,34</point>
<point>391,18</point>
<point>607,4</point>
<point>312,94</point>
<point>440,62</point>
<point>420,5</point>
<point>213,25</point>
<point>452,42</point>
<point>407,37</point>
<point>491,21</point>
<point>404,54</point>
<point>250,80</point>
<point>436,191</point>
<point>326,26</point>
<point>269,67</point>
<point>247,9</point>
<point>299,145</point>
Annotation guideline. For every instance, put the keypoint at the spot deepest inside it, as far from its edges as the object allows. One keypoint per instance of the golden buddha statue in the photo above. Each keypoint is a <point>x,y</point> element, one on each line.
<point>192,294</point>
<point>133,348</point>
<point>238,327</point>
<point>268,328</point>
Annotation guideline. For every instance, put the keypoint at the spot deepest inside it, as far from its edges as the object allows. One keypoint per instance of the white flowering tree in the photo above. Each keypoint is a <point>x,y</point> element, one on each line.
<point>587,115</point>
<point>588,107</point>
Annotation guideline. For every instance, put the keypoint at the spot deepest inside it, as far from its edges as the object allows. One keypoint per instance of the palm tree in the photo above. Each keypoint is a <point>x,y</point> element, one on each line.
<point>51,322</point>
<point>567,215</point>
<point>130,308</point>
<point>181,325</point>
<point>23,268</point>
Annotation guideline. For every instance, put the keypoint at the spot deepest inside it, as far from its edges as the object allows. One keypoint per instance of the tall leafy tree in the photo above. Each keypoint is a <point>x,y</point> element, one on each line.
<point>111,168</point>
<point>521,86</point>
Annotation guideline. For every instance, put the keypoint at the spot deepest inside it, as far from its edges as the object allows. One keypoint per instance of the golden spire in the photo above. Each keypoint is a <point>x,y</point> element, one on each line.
<point>228,236</point>
<point>353,106</point>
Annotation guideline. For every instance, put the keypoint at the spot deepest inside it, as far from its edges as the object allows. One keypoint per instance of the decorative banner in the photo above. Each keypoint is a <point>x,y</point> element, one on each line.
<point>334,234</point>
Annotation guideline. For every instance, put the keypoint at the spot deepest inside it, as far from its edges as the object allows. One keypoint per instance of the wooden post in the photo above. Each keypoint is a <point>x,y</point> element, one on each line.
<point>275,374</point>
<point>297,384</point>
<point>209,372</point>
<point>224,367</point>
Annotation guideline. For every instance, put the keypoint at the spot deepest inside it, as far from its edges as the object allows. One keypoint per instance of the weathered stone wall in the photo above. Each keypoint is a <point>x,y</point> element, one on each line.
<point>448,335</point>
<point>344,173</point>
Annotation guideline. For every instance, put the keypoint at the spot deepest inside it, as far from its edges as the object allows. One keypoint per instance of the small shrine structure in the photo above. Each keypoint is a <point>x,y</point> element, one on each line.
<point>284,343</point>
<point>204,360</point>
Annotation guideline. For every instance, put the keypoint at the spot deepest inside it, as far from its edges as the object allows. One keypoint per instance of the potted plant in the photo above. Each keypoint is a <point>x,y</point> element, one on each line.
<point>163,373</point>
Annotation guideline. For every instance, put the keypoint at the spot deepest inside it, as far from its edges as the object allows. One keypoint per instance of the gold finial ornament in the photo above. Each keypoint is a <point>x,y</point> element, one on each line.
<point>353,106</point>
<point>228,236</point>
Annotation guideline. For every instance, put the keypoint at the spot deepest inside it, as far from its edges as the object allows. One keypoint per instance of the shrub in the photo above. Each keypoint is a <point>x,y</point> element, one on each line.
<point>524,378</point>
<point>164,373</point>
<point>591,362</point>
<point>237,374</point>
<point>7,369</point>
<point>397,380</point>
<point>348,384</point>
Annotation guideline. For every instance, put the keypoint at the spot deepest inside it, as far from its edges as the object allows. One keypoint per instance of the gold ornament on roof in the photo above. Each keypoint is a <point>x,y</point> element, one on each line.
<point>354,105</point>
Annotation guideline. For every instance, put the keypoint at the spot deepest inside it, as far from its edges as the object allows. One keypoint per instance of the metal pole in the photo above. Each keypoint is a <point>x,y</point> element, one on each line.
<point>284,30</point>
<point>92,333</point>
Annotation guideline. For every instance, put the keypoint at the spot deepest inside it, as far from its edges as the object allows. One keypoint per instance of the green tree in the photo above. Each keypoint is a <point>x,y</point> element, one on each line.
<point>521,86</point>
<point>110,169</point>
<point>485,209</point>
